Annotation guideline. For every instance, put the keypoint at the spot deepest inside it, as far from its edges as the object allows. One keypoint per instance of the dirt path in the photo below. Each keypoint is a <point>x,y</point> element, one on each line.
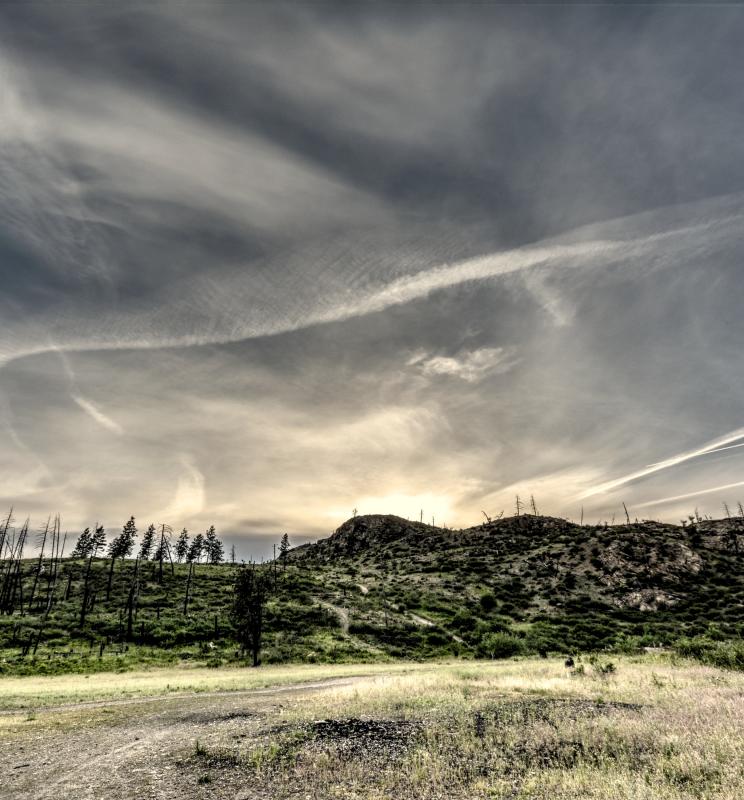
<point>423,622</point>
<point>127,749</point>
<point>341,613</point>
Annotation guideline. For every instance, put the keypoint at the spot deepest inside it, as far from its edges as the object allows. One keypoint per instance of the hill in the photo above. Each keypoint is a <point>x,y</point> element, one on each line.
<point>383,586</point>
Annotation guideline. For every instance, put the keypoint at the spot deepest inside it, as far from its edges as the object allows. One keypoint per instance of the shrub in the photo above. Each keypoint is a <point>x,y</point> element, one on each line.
<point>500,645</point>
<point>726,654</point>
<point>487,601</point>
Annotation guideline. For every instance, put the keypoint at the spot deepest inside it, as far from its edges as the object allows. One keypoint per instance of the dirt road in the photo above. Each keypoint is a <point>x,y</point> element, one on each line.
<point>124,749</point>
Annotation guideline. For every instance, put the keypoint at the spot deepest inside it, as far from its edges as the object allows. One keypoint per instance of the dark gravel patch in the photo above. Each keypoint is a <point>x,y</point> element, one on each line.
<point>363,738</point>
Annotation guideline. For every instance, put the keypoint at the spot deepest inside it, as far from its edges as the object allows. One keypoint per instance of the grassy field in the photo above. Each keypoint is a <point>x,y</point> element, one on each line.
<point>41,691</point>
<point>528,728</point>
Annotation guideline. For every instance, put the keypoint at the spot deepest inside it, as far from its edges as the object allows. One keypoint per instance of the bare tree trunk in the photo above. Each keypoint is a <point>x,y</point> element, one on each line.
<point>110,577</point>
<point>54,566</point>
<point>13,582</point>
<point>4,531</point>
<point>188,589</point>
<point>133,589</point>
<point>38,566</point>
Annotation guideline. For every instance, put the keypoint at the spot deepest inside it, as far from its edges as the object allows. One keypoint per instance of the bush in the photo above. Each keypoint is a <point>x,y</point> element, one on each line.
<point>727,654</point>
<point>488,601</point>
<point>500,645</point>
<point>463,621</point>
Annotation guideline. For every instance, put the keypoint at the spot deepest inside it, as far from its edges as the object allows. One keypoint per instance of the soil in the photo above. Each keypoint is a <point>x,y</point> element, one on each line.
<point>130,749</point>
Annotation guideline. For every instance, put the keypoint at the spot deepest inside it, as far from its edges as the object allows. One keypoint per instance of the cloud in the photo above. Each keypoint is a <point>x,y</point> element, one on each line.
<point>698,493</point>
<point>226,233</point>
<point>468,366</point>
<point>96,414</point>
<point>189,499</point>
<point>713,446</point>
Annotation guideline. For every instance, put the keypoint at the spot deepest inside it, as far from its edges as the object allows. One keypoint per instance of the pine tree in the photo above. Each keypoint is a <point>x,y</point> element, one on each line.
<point>83,546</point>
<point>284,549</point>
<point>252,587</point>
<point>196,549</point>
<point>121,547</point>
<point>128,535</point>
<point>182,545</point>
<point>213,547</point>
<point>98,540</point>
<point>147,542</point>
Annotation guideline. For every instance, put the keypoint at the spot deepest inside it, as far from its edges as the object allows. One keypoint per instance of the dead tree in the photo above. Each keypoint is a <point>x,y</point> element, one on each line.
<point>132,599</point>
<point>37,572</point>
<point>13,581</point>
<point>58,548</point>
<point>4,526</point>
<point>50,595</point>
<point>188,589</point>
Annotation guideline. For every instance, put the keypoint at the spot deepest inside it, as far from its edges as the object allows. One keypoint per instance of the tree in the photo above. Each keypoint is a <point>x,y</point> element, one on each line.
<point>251,591</point>
<point>83,546</point>
<point>127,537</point>
<point>121,547</point>
<point>283,550</point>
<point>163,550</point>
<point>43,535</point>
<point>196,549</point>
<point>146,545</point>
<point>4,533</point>
<point>731,538</point>
<point>97,542</point>
<point>132,599</point>
<point>213,547</point>
<point>182,545</point>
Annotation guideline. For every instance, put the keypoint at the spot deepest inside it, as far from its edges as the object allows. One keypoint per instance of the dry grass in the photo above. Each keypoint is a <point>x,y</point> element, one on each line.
<point>506,729</point>
<point>35,692</point>
<point>523,729</point>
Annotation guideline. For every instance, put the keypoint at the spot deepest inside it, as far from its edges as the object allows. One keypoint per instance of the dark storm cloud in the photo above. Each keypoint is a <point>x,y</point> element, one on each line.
<point>426,255</point>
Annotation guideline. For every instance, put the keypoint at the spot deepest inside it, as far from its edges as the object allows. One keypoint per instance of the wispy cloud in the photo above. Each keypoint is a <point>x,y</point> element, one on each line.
<point>469,366</point>
<point>711,447</point>
<point>667,500</point>
<point>86,405</point>
<point>97,415</point>
<point>190,496</point>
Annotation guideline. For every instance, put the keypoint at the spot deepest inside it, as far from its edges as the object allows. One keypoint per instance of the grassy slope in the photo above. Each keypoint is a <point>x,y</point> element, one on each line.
<point>384,587</point>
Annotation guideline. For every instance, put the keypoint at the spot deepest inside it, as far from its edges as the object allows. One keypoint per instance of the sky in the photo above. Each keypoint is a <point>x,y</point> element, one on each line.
<point>267,265</point>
